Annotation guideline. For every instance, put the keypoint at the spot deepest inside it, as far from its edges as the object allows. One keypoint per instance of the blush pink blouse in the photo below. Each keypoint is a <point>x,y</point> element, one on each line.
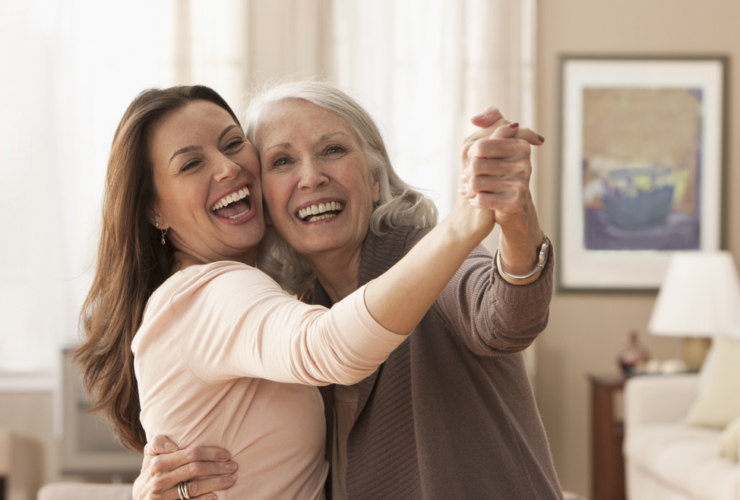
<point>224,357</point>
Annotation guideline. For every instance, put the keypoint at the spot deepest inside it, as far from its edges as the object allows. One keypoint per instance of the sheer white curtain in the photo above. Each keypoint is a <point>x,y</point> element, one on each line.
<point>232,45</point>
<point>70,69</point>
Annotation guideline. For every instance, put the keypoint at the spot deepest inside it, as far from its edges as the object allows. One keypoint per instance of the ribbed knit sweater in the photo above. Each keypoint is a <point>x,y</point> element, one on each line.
<point>451,413</point>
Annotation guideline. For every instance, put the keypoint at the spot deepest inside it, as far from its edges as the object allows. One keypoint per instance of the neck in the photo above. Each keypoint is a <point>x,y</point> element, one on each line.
<point>184,259</point>
<point>338,272</point>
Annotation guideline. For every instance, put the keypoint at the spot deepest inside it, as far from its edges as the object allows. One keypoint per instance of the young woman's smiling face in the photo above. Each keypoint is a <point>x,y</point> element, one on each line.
<point>207,179</point>
<point>318,188</point>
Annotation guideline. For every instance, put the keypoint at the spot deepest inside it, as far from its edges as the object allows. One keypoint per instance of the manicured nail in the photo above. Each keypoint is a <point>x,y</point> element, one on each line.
<point>478,117</point>
<point>169,446</point>
<point>514,125</point>
<point>542,139</point>
<point>228,479</point>
<point>223,455</point>
<point>231,466</point>
<point>464,190</point>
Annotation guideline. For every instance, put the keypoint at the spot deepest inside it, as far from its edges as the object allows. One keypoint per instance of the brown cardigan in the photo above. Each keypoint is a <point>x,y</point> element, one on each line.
<point>451,414</point>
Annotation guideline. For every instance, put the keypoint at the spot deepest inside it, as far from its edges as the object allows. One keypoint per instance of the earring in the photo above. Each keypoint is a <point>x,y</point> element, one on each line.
<point>164,233</point>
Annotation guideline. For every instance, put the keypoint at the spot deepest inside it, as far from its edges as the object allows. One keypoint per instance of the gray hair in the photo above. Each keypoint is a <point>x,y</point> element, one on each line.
<point>399,204</point>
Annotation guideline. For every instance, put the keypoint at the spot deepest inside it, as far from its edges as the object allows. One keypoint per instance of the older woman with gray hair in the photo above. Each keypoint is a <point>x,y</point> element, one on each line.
<point>450,414</point>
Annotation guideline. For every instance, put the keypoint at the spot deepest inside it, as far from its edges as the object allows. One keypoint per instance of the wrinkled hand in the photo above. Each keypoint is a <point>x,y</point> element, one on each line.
<point>206,469</point>
<point>496,171</point>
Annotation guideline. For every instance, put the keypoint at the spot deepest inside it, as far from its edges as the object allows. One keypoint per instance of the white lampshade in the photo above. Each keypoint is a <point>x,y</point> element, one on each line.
<point>699,297</point>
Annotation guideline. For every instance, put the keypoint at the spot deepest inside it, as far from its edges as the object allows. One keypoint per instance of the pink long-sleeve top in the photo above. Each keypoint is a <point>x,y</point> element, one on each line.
<point>224,357</point>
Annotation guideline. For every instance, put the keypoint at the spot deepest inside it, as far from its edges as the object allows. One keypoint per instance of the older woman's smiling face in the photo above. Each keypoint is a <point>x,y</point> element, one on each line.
<point>317,185</point>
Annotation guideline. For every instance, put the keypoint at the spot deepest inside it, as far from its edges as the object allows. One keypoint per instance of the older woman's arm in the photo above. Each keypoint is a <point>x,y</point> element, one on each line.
<point>205,469</point>
<point>490,312</point>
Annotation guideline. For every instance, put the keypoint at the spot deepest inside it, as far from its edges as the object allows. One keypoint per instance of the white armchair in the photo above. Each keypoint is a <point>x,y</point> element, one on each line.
<point>665,458</point>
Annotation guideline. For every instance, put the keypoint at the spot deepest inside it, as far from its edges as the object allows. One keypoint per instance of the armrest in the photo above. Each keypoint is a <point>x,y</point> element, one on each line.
<point>658,399</point>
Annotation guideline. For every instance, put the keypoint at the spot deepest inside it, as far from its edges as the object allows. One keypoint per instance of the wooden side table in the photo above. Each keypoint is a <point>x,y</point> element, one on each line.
<point>607,434</point>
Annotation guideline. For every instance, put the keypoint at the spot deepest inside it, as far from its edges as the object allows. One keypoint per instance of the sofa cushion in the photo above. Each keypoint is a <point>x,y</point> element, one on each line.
<point>685,457</point>
<point>85,491</point>
<point>719,399</point>
<point>729,442</point>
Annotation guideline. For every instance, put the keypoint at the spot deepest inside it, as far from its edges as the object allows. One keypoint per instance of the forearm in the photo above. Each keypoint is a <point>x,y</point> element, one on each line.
<point>400,298</point>
<point>519,245</point>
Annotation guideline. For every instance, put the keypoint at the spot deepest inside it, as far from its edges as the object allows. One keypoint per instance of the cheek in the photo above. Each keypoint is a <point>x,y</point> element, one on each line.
<point>275,193</point>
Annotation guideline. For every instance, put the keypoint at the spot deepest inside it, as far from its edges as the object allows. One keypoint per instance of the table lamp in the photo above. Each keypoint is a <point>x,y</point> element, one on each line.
<point>698,299</point>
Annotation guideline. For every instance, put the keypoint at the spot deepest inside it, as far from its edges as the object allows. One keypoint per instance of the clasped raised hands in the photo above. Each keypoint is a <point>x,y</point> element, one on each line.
<point>496,169</point>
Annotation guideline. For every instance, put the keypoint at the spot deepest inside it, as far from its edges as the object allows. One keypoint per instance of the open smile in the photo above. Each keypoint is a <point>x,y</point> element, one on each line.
<point>320,211</point>
<point>234,205</point>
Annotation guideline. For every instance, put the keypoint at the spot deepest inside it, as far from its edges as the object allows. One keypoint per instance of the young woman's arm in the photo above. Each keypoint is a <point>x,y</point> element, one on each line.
<point>400,298</point>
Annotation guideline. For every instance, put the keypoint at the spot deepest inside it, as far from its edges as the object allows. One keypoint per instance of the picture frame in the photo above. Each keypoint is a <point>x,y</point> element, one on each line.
<point>642,152</point>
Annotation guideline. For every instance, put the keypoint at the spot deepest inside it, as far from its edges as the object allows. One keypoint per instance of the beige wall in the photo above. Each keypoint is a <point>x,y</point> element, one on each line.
<point>586,331</point>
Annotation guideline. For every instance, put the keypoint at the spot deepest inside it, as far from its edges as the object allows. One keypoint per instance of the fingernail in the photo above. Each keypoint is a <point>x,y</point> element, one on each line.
<point>231,466</point>
<point>228,479</point>
<point>224,455</point>
<point>169,446</point>
<point>478,117</point>
<point>542,139</point>
<point>464,190</point>
<point>514,125</point>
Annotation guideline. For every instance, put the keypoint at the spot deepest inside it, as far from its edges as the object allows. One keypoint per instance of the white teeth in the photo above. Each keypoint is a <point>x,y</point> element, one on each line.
<point>231,198</point>
<point>238,215</point>
<point>319,217</point>
<point>320,209</point>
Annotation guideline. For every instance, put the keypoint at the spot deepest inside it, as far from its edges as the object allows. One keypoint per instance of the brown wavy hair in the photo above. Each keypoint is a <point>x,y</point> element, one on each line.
<point>131,262</point>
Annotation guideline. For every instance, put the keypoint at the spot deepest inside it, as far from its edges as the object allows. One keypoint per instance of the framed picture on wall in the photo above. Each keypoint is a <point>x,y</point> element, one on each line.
<point>641,167</point>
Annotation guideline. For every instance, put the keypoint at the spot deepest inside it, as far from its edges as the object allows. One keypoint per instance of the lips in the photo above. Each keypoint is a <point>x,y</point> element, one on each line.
<point>233,205</point>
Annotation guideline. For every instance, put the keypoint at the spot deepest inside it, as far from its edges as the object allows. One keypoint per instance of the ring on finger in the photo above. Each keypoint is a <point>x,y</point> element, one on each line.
<point>183,491</point>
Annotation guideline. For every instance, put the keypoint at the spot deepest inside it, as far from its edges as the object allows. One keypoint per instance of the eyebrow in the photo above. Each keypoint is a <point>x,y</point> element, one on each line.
<point>287,145</point>
<point>187,149</point>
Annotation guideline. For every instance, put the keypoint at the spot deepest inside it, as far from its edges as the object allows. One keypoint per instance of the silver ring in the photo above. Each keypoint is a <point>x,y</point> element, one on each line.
<point>183,491</point>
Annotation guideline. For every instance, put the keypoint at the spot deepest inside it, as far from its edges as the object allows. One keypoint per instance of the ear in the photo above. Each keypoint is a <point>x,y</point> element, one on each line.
<point>155,219</point>
<point>376,186</point>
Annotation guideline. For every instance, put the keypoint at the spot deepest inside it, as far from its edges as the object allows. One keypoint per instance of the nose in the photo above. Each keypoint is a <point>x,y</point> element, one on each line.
<point>311,175</point>
<point>226,168</point>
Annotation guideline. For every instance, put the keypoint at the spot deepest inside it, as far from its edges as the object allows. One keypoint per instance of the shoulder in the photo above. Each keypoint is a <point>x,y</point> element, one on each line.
<point>203,280</point>
<point>381,251</point>
<point>396,241</point>
<point>203,292</point>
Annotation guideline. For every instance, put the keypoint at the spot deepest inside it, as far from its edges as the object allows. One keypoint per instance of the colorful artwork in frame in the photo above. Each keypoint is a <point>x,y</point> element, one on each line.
<point>641,167</point>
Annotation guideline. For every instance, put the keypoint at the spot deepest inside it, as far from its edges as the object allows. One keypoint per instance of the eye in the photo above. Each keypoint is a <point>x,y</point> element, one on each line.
<point>235,145</point>
<point>280,161</point>
<point>332,150</point>
<point>190,165</point>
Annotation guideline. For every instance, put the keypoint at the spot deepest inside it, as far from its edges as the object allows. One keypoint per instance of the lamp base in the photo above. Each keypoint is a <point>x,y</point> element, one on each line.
<point>695,350</point>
